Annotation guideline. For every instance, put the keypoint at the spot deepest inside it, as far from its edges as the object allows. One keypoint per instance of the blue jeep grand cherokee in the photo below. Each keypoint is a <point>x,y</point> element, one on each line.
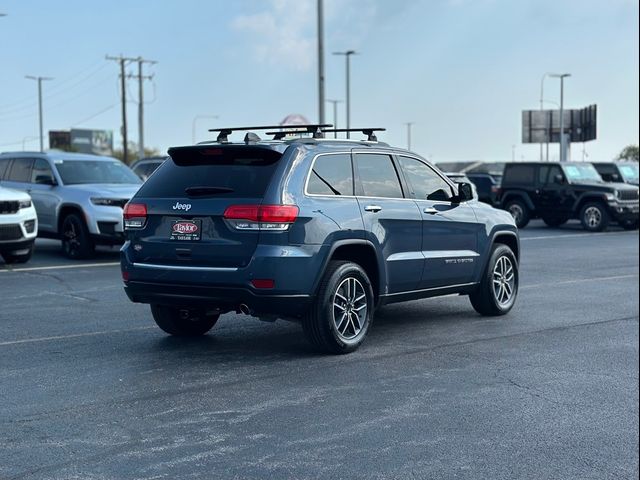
<point>309,229</point>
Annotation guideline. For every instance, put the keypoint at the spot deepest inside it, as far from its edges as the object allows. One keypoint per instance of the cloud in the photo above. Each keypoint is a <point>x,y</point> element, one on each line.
<point>284,34</point>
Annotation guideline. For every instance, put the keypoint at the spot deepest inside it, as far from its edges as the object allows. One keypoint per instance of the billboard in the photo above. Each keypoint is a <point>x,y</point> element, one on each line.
<point>97,142</point>
<point>543,126</point>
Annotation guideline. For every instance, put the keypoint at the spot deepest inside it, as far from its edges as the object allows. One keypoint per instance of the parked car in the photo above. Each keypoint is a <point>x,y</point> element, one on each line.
<point>18,225</point>
<point>317,231</point>
<point>557,192</point>
<point>78,198</point>
<point>626,172</point>
<point>146,166</point>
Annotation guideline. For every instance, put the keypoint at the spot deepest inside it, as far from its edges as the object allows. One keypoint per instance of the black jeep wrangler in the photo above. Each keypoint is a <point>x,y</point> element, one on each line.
<point>557,192</point>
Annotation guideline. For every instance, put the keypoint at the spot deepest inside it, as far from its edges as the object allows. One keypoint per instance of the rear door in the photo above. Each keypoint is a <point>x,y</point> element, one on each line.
<point>186,199</point>
<point>449,230</point>
<point>392,222</point>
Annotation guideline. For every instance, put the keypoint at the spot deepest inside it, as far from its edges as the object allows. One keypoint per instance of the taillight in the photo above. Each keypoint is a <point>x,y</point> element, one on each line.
<point>261,217</point>
<point>135,215</point>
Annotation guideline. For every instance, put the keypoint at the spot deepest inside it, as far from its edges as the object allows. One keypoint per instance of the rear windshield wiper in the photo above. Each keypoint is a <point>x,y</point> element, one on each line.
<point>205,191</point>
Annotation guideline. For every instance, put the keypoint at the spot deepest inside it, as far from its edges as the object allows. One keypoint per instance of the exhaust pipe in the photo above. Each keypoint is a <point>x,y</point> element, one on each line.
<point>244,308</point>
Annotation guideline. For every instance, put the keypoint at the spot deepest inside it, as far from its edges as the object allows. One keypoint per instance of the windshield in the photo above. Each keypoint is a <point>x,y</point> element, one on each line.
<point>629,172</point>
<point>582,173</point>
<point>76,172</point>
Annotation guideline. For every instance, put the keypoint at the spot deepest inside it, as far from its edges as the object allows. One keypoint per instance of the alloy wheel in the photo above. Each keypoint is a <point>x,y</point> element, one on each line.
<point>516,212</point>
<point>593,217</point>
<point>504,281</point>
<point>349,308</point>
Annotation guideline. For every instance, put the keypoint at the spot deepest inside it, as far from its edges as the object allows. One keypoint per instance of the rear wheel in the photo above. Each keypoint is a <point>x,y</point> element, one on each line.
<point>76,240</point>
<point>184,321</point>
<point>342,312</point>
<point>519,211</point>
<point>594,217</point>
<point>498,288</point>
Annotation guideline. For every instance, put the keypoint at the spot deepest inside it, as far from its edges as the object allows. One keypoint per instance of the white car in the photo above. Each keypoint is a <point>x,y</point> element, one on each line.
<point>18,226</point>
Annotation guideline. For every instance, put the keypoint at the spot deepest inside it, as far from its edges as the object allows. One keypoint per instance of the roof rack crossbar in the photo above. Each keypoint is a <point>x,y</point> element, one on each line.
<point>223,135</point>
<point>369,132</point>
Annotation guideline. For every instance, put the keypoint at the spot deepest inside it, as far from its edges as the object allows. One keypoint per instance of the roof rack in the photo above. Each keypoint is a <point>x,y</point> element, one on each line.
<point>316,129</point>
<point>371,137</point>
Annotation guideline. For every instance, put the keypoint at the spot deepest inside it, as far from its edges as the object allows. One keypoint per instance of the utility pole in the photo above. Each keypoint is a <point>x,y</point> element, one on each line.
<point>408,124</point>
<point>347,55</point>
<point>40,80</point>
<point>335,115</point>
<point>141,78</point>
<point>320,62</point>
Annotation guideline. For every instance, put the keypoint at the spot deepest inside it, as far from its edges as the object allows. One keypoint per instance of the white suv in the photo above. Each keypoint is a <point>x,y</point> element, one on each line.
<point>18,226</point>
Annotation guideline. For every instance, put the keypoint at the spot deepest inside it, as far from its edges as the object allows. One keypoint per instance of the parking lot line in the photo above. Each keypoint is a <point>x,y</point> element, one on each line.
<point>570,235</point>
<point>60,267</point>
<point>580,280</point>
<point>74,335</point>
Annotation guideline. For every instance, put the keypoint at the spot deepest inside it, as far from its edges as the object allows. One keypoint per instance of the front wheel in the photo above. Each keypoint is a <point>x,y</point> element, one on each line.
<point>76,240</point>
<point>498,288</point>
<point>342,312</point>
<point>594,217</point>
<point>184,321</point>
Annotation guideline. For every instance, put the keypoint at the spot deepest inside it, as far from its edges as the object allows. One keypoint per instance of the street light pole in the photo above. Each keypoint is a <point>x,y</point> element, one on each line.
<point>563,149</point>
<point>408,124</point>
<point>39,80</point>
<point>320,62</point>
<point>335,115</point>
<point>347,55</point>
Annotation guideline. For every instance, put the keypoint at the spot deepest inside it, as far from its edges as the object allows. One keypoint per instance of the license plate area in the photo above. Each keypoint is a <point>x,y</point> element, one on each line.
<point>186,230</point>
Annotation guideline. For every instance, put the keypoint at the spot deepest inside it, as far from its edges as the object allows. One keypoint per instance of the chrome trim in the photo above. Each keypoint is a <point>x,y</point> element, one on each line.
<point>429,289</point>
<point>185,267</point>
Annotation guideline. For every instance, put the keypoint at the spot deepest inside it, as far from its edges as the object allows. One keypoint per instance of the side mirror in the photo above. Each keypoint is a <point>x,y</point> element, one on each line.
<point>558,179</point>
<point>465,193</point>
<point>45,180</point>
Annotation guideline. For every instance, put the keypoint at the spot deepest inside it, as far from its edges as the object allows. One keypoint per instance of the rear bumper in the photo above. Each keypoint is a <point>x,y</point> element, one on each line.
<point>225,298</point>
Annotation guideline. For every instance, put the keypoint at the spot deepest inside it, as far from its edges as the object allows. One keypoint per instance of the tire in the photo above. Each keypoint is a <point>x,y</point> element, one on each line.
<point>491,298</point>
<point>630,225</point>
<point>554,222</point>
<point>188,322</point>
<point>594,217</point>
<point>519,211</point>
<point>345,287</point>
<point>76,240</point>
<point>22,258</point>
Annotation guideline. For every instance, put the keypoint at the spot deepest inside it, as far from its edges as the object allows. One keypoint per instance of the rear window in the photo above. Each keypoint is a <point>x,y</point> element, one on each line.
<point>224,172</point>
<point>519,174</point>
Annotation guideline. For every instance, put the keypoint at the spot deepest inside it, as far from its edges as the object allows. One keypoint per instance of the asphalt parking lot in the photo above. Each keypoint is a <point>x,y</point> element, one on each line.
<point>90,388</point>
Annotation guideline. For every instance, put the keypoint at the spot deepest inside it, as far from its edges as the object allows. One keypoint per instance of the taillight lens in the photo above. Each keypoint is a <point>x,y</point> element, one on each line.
<point>135,215</point>
<point>261,217</point>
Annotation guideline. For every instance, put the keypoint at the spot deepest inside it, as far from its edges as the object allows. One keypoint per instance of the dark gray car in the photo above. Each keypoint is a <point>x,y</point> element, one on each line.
<point>316,231</point>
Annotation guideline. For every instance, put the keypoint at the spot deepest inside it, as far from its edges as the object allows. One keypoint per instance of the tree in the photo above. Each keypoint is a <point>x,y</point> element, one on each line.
<point>133,152</point>
<point>630,153</point>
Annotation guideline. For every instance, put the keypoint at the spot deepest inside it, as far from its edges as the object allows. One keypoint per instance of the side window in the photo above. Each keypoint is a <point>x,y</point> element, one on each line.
<point>4,165</point>
<point>331,175</point>
<point>20,170</point>
<point>425,182</point>
<point>378,176</point>
<point>554,171</point>
<point>41,172</point>
<point>519,174</point>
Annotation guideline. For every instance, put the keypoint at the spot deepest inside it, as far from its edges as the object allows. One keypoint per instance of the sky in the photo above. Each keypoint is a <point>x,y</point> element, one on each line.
<point>461,70</point>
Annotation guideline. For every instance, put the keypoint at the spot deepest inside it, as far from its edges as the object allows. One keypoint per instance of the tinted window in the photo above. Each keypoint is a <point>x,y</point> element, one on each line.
<point>41,172</point>
<point>423,180</point>
<point>227,172</point>
<point>519,174</point>
<point>20,170</point>
<point>378,176</point>
<point>4,163</point>
<point>331,175</point>
<point>554,171</point>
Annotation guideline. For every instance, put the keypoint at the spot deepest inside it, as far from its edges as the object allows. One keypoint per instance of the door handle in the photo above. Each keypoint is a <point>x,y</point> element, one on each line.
<point>372,208</point>
<point>430,211</point>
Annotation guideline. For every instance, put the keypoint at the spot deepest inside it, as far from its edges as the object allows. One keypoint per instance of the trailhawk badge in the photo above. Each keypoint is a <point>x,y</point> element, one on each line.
<point>186,230</point>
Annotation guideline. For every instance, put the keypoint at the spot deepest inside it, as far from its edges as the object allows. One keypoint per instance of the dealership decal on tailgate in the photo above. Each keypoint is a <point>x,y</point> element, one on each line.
<point>188,230</point>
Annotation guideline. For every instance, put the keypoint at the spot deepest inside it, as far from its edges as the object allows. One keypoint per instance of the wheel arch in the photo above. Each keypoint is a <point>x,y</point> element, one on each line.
<point>65,210</point>
<point>516,195</point>
<point>588,197</point>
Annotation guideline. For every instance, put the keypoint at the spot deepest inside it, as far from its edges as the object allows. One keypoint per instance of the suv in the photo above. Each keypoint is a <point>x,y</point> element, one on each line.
<point>317,231</point>
<point>78,198</point>
<point>557,192</point>
<point>18,225</point>
<point>626,172</point>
